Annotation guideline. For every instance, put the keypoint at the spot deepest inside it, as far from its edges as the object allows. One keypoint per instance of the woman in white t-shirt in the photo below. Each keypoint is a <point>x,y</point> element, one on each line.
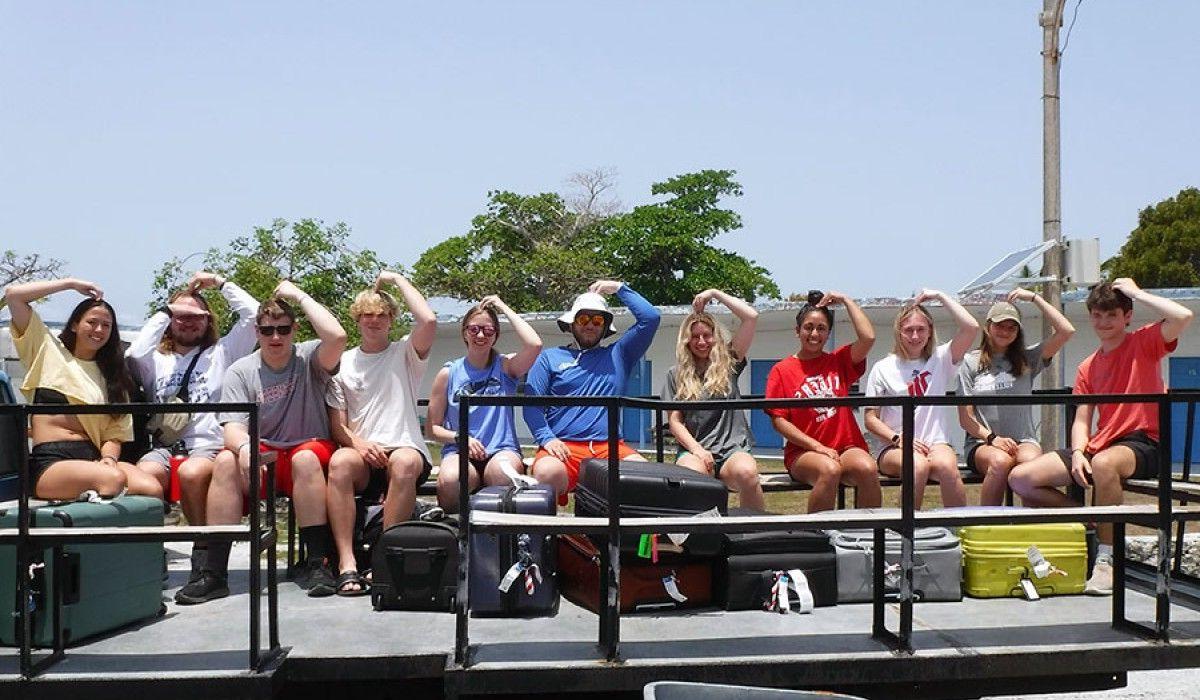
<point>918,366</point>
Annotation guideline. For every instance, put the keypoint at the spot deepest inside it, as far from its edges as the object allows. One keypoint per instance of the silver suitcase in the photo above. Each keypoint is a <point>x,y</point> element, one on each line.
<point>937,564</point>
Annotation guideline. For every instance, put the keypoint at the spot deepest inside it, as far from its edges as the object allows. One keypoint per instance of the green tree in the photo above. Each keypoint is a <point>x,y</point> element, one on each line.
<point>1164,249</point>
<point>536,251</point>
<point>316,256</point>
<point>665,251</point>
<point>539,251</point>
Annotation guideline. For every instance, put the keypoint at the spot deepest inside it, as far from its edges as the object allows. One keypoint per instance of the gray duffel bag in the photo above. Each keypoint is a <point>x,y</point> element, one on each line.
<point>937,564</point>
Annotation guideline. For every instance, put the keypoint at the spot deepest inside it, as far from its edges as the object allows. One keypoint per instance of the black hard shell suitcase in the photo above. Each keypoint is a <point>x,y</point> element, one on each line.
<point>653,489</point>
<point>493,556</point>
<point>104,586</point>
<point>415,566</point>
<point>744,579</point>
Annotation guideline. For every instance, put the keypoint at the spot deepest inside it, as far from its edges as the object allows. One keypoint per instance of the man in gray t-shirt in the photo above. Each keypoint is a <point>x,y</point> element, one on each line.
<point>287,381</point>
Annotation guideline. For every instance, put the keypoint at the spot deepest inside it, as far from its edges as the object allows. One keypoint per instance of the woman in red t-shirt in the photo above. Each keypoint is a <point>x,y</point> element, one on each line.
<point>824,444</point>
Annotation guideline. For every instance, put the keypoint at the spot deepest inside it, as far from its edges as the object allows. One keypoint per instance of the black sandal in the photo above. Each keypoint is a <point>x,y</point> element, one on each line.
<point>346,578</point>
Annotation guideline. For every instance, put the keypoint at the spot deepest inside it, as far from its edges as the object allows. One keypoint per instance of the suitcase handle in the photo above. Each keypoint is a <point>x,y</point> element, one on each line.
<point>399,560</point>
<point>71,577</point>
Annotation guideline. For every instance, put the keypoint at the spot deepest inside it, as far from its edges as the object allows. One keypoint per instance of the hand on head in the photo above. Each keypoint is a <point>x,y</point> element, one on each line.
<point>831,299</point>
<point>604,287</point>
<point>204,280</point>
<point>88,289</point>
<point>701,300</point>
<point>1019,294</point>
<point>927,295</point>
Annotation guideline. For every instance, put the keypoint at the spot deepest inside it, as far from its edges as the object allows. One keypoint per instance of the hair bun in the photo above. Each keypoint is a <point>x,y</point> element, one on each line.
<point>815,295</point>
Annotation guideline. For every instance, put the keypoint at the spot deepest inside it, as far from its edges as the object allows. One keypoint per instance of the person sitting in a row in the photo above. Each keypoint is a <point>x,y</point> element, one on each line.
<point>1000,437</point>
<point>82,365</point>
<point>177,354</point>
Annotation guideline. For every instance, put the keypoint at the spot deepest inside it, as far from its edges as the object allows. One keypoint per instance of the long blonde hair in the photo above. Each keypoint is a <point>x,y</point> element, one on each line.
<point>930,343</point>
<point>689,385</point>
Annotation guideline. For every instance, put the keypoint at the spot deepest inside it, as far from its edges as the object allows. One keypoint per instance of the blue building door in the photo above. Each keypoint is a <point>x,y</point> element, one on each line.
<point>637,423</point>
<point>765,437</point>
<point>1183,373</point>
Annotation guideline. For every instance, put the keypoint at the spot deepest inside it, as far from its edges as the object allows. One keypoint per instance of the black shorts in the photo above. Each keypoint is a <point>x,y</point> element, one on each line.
<point>1145,454</point>
<point>45,454</point>
<point>377,479</point>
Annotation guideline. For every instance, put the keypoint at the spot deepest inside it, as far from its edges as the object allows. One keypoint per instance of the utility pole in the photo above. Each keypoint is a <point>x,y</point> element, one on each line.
<point>1051,19</point>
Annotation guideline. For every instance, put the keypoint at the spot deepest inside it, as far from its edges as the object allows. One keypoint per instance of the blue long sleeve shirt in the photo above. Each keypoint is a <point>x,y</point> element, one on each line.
<point>598,371</point>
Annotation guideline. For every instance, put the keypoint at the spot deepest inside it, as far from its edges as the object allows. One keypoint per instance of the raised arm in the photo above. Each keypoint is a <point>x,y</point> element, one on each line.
<point>1176,316</point>
<point>20,297</point>
<point>863,330</point>
<point>968,327</point>
<point>424,328</point>
<point>531,343</point>
<point>747,318</point>
<point>637,339</point>
<point>149,336</point>
<point>1063,330</point>
<point>324,323</point>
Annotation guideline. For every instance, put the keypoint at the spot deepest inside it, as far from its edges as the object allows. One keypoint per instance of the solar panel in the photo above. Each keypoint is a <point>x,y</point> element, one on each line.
<point>1006,267</point>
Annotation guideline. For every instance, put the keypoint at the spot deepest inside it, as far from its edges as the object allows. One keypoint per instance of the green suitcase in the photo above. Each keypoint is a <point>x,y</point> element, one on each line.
<point>995,559</point>
<point>106,586</point>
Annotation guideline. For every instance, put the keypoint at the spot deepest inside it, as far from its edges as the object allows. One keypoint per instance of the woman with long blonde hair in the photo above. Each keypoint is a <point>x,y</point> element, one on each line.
<point>708,364</point>
<point>919,366</point>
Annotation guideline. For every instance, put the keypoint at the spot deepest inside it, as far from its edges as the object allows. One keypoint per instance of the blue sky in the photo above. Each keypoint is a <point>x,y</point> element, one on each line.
<point>882,146</point>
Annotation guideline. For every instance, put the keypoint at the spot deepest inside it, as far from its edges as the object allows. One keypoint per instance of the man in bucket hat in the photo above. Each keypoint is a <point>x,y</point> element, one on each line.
<point>567,435</point>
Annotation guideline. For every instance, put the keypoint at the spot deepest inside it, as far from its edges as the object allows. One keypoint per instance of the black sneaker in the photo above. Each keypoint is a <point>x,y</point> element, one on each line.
<point>207,587</point>
<point>318,578</point>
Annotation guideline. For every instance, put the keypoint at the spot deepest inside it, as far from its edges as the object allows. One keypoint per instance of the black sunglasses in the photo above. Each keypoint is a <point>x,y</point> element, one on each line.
<point>281,331</point>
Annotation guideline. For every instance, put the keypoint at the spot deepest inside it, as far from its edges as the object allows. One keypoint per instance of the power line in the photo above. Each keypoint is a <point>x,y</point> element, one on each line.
<point>1067,39</point>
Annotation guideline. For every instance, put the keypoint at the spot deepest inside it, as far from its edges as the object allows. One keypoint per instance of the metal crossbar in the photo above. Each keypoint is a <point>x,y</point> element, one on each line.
<point>1160,516</point>
<point>30,541</point>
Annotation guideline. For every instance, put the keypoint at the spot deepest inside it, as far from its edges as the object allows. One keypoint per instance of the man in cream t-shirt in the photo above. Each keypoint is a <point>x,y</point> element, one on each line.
<point>373,416</point>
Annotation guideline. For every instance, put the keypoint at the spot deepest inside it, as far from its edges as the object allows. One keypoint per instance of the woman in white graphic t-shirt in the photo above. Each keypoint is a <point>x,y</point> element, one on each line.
<point>918,366</point>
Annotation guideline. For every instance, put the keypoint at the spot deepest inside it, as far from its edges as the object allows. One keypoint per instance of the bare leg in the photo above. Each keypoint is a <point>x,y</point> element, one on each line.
<point>860,471</point>
<point>156,471</point>
<point>551,470</point>
<point>493,471</point>
<point>195,474</point>
<point>694,463</point>
<point>348,475</point>
<point>943,465</point>
<point>1037,482</point>
<point>66,479</point>
<point>404,468</point>
<point>1109,467</point>
<point>226,490</point>
<point>891,464</point>
<point>308,489</point>
<point>994,464</point>
<point>448,481</point>
<point>740,473</point>
<point>823,473</point>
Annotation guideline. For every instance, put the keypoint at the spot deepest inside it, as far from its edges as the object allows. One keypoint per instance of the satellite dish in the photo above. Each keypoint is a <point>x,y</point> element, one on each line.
<point>1008,266</point>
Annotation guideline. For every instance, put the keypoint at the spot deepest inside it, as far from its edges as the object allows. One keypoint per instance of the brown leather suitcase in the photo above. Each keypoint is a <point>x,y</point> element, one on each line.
<point>645,586</point>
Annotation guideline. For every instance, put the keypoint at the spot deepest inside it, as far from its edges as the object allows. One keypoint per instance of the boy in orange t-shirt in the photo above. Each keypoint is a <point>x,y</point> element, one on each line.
<point>1125,444</point>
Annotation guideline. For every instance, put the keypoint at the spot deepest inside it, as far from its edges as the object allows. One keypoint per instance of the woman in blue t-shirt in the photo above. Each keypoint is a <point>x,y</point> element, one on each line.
<point>492,441</point>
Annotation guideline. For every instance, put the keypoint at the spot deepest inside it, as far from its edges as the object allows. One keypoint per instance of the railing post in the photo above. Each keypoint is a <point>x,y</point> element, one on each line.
<point>255,540</point>
<point>658,435</point>
<point>1162,616</point>
<point>23,552</point>
<point>907,507</point>
<point>610,586</point>
<point>1181,528</point>
<point>461,633</point>
<point>271,541</point>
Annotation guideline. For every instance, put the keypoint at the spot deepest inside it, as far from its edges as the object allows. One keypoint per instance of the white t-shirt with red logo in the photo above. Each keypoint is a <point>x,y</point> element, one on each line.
<point>893,376</point>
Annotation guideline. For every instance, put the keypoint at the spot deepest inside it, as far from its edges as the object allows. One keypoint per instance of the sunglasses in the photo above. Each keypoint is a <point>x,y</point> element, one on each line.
<point>487,331</point>
<point>590,319</point>
<point>190,318</point>
<point>281,331</point>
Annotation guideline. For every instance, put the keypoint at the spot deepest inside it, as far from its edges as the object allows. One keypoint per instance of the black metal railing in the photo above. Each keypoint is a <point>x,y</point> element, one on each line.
<point>1160,518</point>
<point>30,540</point>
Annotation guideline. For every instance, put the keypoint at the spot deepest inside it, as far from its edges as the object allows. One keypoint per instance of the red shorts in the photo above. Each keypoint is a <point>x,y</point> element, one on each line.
<point>595,449</point>
<point>323,449</point>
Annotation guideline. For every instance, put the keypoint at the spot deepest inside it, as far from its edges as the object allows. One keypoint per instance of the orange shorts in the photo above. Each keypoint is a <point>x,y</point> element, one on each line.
<point>323,449</point>
<point>594,449</point>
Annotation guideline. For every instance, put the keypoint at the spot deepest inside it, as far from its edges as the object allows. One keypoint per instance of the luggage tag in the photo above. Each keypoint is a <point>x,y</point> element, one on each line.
<point>671,584</point>
<point>781,600</point>
<point>523,566</point>
<point>678,539</point>
<point>648,547</point>
<point>1041,567</point>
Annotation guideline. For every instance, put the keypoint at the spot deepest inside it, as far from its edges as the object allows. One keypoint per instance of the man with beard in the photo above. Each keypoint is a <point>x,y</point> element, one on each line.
<point>567,435</point>
<point>178,354</point>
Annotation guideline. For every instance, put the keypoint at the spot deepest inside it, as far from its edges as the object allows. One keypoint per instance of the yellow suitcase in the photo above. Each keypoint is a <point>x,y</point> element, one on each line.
<point>997,557</point>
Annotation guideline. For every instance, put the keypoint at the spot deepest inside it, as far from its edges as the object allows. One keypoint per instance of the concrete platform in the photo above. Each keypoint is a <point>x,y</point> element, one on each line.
<point>201,651</point>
